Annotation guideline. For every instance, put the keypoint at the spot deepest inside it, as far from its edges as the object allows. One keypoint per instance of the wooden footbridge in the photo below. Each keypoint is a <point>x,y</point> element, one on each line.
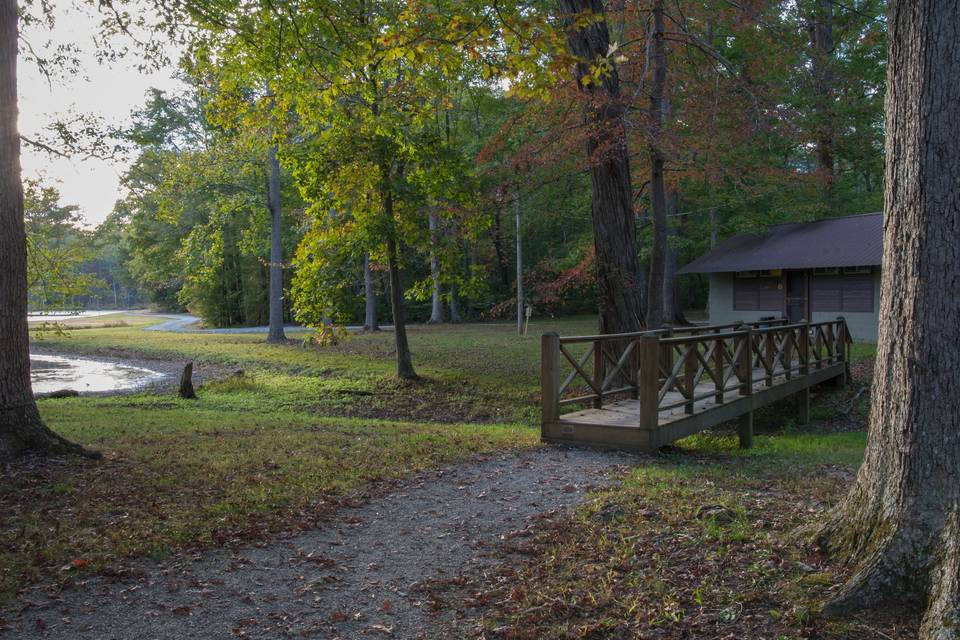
<point>647,389</point>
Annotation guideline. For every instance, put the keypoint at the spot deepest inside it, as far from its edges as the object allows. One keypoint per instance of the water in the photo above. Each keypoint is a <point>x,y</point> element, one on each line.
<point>60,315</point>
<point>52,373</point>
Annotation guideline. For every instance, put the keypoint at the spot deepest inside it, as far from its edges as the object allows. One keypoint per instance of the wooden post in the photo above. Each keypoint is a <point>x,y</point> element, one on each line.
<point>787,356</point>
<point>803,348</point>
<point>746,389</point>
<point>689,373</point>
<point>666,354</point>
<point>718,370</point>
<point>599,372</point>
<point>746,364</point>
<point>745,430</point>
<point>843,350</point>
<point>550,378</point>
<point>769,348</point>
<point>649,381</point>
<point>634,374</point>
<point>819,347</point>
<point>803,406</point>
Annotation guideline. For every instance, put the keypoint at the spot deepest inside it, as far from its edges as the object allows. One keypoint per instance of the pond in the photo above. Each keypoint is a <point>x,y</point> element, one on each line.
<point>53,373</point>
<point>35,316</point>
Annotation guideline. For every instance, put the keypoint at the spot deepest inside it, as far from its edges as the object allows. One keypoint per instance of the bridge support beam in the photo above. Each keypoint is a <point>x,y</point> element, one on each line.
<point>803,406</point>
<point>745,431</point>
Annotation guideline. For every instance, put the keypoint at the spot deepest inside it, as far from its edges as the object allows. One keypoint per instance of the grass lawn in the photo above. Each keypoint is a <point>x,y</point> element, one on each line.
<point>306,429</point>
<point>303,429</point>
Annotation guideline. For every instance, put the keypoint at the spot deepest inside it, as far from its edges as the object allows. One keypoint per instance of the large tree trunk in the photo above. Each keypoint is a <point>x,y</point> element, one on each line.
<point>899,527</point>
<point>276,250</point>
<point>370,297</point>
<point>21,428</point>
<point>614,224</point>
<point>658,203</point>
<point>436,309</point>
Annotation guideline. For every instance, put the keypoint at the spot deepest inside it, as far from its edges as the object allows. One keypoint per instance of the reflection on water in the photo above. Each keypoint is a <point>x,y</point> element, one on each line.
<point>52,373</point>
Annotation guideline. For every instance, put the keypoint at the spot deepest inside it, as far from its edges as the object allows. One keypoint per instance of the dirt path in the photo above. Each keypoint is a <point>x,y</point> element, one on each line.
<point>360,576</point>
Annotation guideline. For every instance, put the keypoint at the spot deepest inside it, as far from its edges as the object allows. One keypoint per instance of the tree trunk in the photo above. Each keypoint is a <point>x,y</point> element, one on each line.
<point>670,292</point>
<point>502,265</point>
<point>186,383</point>
<point>614,224</point>
<point>516,205</point>
<point>404,360</point>
<point>436,310</point>
<point>276,251</point>
<point>454,304</point>
<point>370,297</point>
<point>21,428</point>
<point>658,204</point>
<point>898,529</point>
<point>822,44</point>
<point>714,227</point>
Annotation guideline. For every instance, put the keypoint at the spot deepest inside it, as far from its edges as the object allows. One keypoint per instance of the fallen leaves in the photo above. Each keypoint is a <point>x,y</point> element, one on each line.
<point>671,554</point>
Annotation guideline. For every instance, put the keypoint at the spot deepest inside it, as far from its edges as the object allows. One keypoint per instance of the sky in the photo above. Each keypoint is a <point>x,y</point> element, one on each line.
<point>110,92</point>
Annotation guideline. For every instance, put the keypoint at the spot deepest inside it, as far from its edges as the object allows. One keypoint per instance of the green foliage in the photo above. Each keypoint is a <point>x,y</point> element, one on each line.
<point>57,248</point>
<point>196,222</point>
<point>389,114</point>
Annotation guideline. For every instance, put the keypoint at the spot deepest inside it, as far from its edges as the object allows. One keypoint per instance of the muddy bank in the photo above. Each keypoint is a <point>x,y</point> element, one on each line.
<point>157,376</point>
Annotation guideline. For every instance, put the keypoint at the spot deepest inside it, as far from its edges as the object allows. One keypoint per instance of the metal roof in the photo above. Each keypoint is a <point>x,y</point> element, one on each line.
<point>852,241</point>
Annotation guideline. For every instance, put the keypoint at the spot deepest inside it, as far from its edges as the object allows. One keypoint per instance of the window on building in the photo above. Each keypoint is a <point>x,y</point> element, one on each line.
<point>757,293</point>
<point>850,290</point>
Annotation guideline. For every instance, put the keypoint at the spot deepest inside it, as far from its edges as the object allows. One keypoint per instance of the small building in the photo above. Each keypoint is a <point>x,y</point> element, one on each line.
<point>804,270</point>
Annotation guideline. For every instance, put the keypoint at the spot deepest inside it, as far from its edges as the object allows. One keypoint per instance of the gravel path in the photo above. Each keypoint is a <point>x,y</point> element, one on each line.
<point>357,577</point>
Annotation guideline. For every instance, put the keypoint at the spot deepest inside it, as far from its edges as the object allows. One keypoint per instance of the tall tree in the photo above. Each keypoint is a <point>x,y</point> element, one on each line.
<point>822,45</point>
<point>898,529</point>
<point>672,310</point>
<point>658,199</point>
<point>21,428</point>
<point>369,296</point>
<point>614,225</point>
<point>436,302</point>
<point>275,333</point>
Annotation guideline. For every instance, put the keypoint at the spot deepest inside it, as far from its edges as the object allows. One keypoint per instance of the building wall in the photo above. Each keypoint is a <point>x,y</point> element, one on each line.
<point>863,326</point>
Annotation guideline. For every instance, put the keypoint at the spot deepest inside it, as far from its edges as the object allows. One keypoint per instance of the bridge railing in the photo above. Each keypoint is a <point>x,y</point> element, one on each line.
<point>711,362</point>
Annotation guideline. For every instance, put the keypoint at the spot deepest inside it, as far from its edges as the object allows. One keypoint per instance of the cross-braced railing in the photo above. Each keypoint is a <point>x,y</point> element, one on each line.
<point>680,367</point>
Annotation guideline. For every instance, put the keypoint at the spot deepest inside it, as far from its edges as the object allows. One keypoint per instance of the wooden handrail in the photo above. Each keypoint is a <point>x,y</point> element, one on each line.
<point>649,365</point>
<point>692,329</point>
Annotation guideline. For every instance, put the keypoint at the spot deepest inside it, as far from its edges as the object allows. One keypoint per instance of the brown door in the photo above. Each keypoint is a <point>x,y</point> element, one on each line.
<point>796,296</point>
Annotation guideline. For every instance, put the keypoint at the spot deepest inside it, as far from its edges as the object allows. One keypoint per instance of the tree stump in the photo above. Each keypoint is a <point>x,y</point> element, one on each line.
<point>186,382</point>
